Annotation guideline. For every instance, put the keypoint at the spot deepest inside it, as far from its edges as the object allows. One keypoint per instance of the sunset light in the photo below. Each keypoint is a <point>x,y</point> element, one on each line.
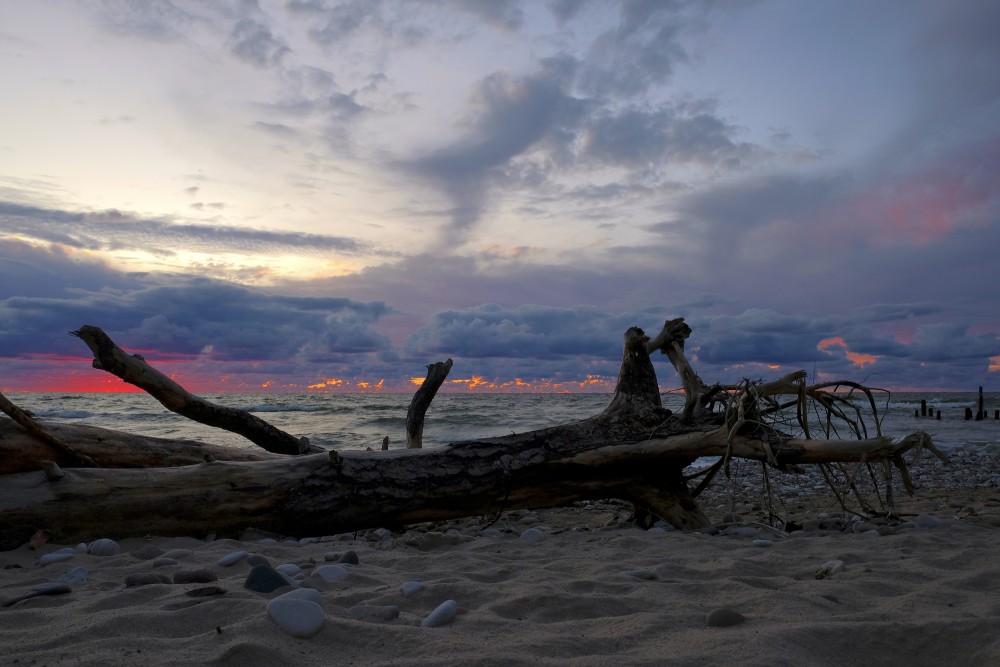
<point>267,197</point>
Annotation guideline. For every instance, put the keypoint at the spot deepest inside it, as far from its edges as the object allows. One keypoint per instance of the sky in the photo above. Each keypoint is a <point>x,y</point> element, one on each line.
<point>327,195</point>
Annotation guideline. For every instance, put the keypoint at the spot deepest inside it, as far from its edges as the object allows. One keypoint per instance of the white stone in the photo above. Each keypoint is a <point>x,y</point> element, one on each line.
<point>53,558</point>
<point>299,618</point>
<point>231,558</point>
<point>533,535</point>
<point>289,569</point>
<point>832,567</point>
<point>103,547</point>
<point>411,588</point>
<point>444,614</point>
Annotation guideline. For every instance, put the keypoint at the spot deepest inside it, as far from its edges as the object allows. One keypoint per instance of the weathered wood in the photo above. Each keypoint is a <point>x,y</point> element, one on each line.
<point>436,374</point>
<point>635,450</point>
<point>314,495</point>
<point>21,452</point>
<point>134,370</point>
<point>40,433</point>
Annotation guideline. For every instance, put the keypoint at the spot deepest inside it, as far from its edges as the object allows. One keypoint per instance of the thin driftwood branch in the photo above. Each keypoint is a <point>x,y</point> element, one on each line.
<point>134,370</point>
<point>38,431</point>
<point>436,374</point>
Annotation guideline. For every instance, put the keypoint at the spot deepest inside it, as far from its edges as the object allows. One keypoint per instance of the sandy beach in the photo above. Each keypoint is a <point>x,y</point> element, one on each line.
<point>565,586</point>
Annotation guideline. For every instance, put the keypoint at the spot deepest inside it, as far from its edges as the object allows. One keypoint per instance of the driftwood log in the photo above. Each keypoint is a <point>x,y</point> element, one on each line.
<point>634,450</point>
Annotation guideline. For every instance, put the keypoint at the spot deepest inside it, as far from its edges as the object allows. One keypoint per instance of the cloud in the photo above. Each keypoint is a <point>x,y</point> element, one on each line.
<point>184,317</point>
<point>252,42</point>
<point>665,136</point>
<point>115,229</point>
<point>532,332</point>
<point>513,114</point>
<point>503,14</point>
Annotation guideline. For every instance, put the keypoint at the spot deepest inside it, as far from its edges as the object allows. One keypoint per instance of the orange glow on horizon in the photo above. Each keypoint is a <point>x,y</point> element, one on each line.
<point>994,365</point>
<point>329,382</point>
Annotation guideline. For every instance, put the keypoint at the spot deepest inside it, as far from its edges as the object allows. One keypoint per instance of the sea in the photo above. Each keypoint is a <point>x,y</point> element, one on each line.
<point>361,421</point>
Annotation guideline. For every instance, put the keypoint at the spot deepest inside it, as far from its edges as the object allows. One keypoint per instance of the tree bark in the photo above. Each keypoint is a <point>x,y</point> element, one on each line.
<point>635,450</point>
<point>20,450</point>
<point>134,370</point>
<point>436,374</point>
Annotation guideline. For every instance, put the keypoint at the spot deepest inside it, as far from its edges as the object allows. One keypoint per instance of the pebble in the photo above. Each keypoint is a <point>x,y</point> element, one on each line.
<point>380,535</point>
<point>927,521</point>
<point>330,573</point>
<point>723,618</point>
<point>257,559</point>
<point>411,588</point>
<point>194,575</point>
<point>289,569</point>
<point>372,612</point>
<point>297,617</point>
<point>763,543</point>
<point>350,558</point>
<point>178,554</point>
<point>103,547</point>
<point>264,579</point>
<point>231,558</point>
<point>54,557</point>
<point>163,561</point>
<point>145,579</point>
<point>442,615</point>
<point>533,535</point>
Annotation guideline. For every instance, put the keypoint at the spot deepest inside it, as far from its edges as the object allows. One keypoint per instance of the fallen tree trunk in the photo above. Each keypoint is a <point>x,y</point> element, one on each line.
<point>634,450</point>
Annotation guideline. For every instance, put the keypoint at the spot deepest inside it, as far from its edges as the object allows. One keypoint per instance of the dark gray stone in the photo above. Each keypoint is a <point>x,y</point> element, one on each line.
<point>264,579</point>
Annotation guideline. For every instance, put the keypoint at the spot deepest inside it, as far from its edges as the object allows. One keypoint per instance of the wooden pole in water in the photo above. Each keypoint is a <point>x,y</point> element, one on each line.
<point>923,408</point>
<point>980,413</point>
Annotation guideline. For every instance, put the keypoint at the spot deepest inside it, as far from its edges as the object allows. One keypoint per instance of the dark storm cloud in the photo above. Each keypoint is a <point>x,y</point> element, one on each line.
<point>114,229</point>
<point>184,316</point>
<point>532,332</point>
